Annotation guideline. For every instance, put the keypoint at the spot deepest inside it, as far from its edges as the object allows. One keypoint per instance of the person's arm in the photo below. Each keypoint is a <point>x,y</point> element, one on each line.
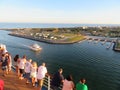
<point>62,78</point>
<point>72,84</point>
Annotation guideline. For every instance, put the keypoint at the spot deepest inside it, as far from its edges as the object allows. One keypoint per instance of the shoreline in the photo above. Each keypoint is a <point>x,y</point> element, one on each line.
<point>56,42</point>
<point>44,40</point>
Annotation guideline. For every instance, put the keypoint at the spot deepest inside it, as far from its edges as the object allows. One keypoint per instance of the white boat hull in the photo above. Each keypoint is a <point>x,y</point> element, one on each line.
<point>35,48</point>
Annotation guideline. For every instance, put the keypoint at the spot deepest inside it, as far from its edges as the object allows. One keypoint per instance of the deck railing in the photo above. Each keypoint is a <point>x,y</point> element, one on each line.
<point>47,81</point>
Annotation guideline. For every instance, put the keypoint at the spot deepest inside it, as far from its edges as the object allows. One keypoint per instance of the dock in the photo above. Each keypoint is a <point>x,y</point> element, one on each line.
<point>104,39</point>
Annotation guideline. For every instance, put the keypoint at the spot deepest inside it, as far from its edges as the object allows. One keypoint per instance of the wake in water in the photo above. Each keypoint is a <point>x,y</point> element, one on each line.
<point>17,47</point>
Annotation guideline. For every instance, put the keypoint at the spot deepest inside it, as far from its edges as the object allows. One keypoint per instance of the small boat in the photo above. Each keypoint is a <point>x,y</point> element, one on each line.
<point>35,47</point>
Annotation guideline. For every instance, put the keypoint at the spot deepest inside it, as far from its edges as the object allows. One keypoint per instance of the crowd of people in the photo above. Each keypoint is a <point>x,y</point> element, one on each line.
<point>29,70</point>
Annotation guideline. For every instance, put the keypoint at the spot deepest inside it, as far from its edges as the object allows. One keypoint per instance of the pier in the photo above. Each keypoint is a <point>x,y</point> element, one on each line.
<point>104,39</point>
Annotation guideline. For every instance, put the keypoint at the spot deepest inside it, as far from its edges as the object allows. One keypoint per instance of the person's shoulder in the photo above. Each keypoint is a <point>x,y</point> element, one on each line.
<point>40,67</point>
<point>85,85</point>
<point>78,84</point>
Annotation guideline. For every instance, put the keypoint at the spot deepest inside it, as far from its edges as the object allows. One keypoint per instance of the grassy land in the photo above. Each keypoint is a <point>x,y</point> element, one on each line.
<point>51,36</point>
<point>75,38</point>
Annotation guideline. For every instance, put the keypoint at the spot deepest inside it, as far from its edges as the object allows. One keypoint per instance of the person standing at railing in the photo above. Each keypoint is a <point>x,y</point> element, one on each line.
<point>57,79</point>
<point>8,56</point>
<point>17,62</point>
<point>33,73</point>
<point>4,65</point>
<point>42,70</point>
<point>22,66</point>
<point>81,85</point>
<point>27,70</point>
<point>68,83</point>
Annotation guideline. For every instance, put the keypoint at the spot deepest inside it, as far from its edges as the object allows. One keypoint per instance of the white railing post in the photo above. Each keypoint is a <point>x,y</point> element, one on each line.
<point>48,82</point>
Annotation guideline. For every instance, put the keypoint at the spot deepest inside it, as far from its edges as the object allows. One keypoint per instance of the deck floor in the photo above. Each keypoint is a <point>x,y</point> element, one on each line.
<point>13,83</point>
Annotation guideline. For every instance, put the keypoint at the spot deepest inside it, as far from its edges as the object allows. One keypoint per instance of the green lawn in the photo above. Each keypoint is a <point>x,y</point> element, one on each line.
<point>75,38</point>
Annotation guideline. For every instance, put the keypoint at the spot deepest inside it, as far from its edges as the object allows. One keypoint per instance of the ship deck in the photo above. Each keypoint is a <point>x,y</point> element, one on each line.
<point>12,82</point>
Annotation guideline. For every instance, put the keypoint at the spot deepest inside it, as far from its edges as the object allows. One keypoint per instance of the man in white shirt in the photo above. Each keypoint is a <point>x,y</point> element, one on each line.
<point>27,70</point>
<point>42,70</point>
<point>22,66</point>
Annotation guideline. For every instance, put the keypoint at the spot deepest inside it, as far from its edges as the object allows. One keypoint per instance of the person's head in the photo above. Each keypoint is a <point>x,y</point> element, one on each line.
<point>30,60</point>
<point>69,78</point>
<point>34,64</point>
<point>24,56</point>
<point>43,64</point>
<point>16,56</point>
<point>82,80</point>
<point>60,70</point>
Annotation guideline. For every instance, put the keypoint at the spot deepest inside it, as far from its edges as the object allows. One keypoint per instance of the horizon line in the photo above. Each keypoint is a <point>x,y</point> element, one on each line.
<point>62,23</point>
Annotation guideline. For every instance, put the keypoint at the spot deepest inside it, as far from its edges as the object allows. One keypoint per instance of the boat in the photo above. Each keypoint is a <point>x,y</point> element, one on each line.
<point>35,47</point>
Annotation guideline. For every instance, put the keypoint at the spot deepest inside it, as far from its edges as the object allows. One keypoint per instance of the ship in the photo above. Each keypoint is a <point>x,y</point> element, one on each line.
<point>35,47</point>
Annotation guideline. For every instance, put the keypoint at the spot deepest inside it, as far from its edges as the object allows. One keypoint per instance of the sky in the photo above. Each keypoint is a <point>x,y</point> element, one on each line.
<point>61,11</point>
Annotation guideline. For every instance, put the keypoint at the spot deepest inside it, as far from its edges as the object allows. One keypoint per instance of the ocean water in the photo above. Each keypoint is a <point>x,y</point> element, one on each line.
<point>48,25</point>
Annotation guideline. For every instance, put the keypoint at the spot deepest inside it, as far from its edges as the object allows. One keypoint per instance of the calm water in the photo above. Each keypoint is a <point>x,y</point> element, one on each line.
<point>48,25</point>
<point>101,67</point>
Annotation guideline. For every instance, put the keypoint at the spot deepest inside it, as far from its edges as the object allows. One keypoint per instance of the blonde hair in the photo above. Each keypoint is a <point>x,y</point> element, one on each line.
<point>34,64</point>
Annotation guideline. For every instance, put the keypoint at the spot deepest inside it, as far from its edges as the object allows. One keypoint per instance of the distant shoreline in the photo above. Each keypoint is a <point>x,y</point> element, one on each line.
<point>43,40</point>
<point>55,41</point>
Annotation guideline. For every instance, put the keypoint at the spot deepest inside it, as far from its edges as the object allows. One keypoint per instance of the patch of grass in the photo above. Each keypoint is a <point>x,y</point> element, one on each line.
<point>69,34</point>
<point>75,38</point>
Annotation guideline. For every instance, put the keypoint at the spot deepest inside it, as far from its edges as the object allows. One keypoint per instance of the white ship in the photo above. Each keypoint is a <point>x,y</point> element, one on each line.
<point>35,47</point>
